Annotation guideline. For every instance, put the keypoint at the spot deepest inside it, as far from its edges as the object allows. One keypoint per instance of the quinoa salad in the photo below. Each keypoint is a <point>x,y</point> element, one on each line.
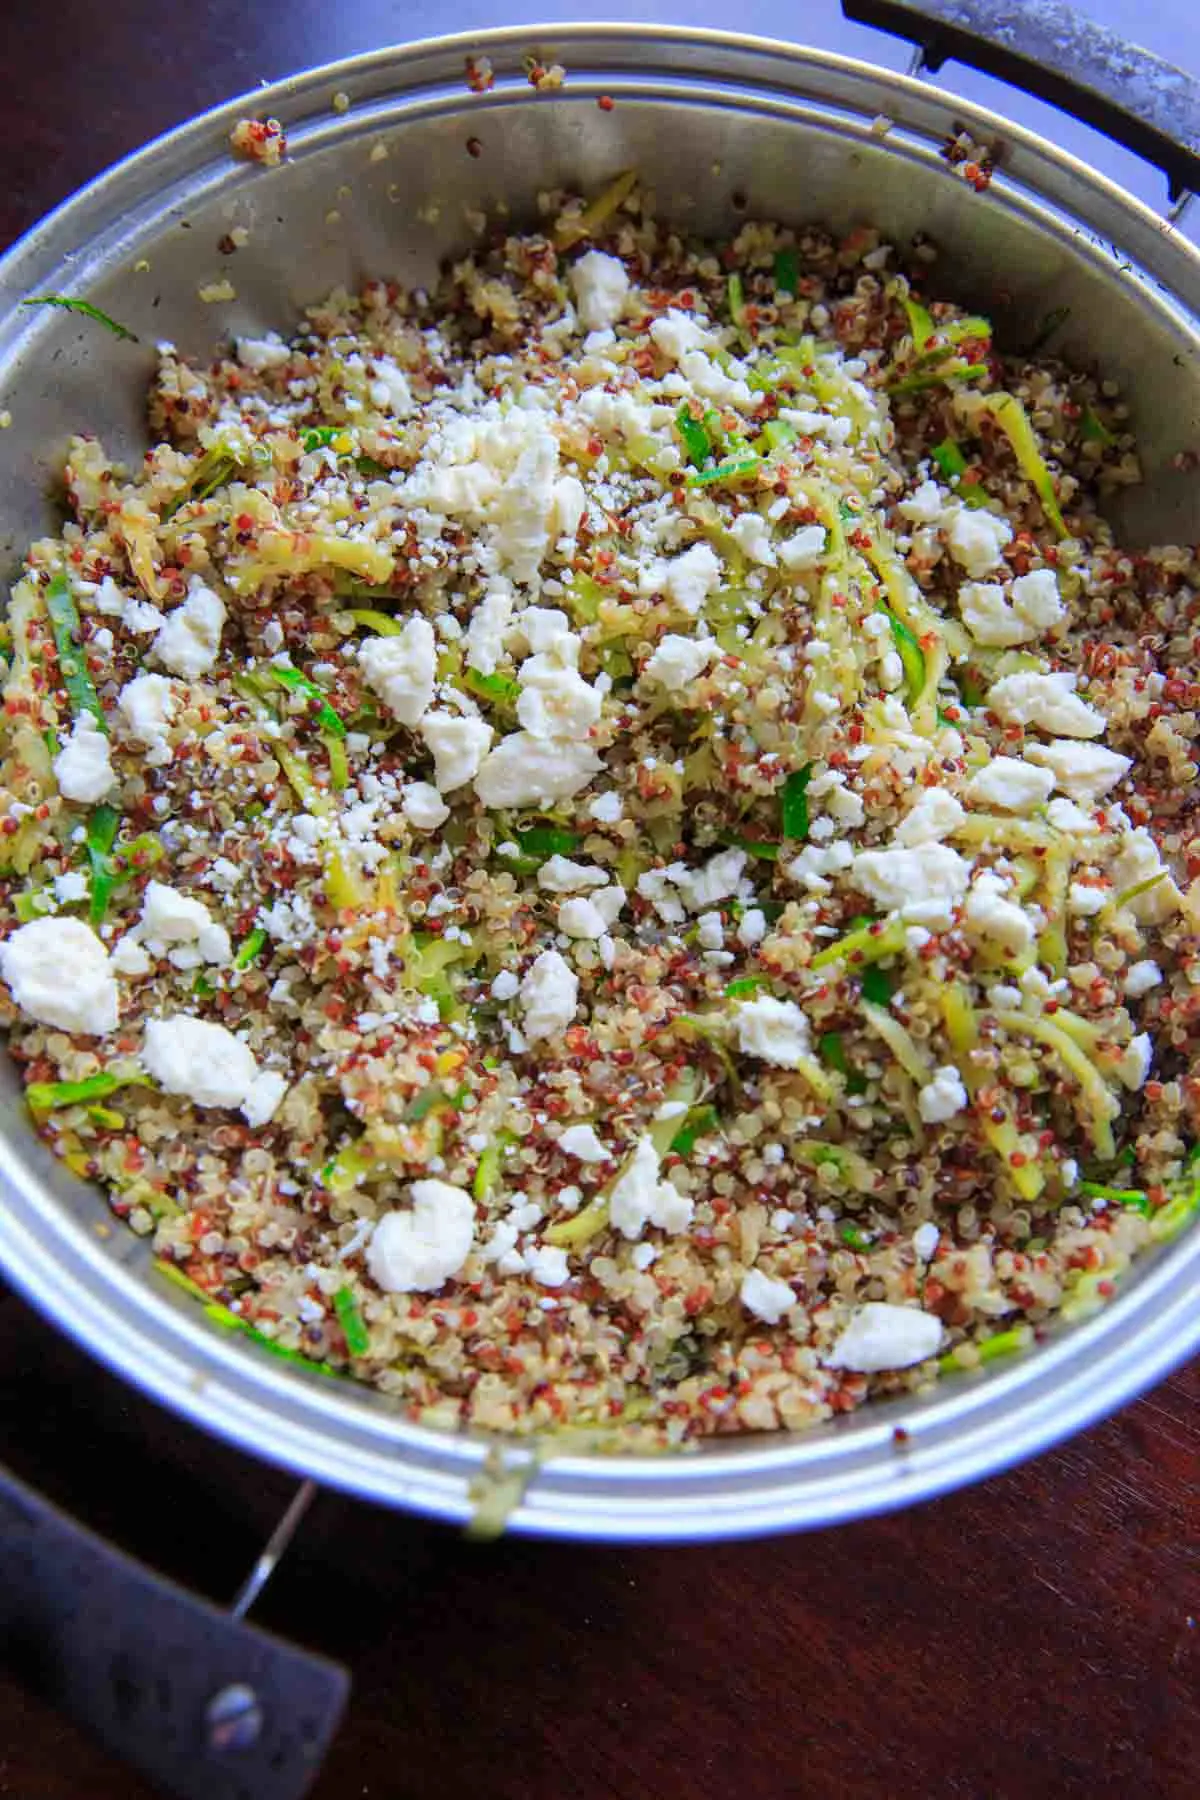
<point>610,848</point>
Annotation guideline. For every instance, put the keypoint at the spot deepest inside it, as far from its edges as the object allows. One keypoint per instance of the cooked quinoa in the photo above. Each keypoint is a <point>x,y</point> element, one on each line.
<point>611,846</point>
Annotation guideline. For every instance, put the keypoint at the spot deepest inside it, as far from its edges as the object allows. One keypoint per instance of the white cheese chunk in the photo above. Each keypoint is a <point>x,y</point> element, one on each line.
<point>994,921</point>
<point>581,918</point>
<point>485,633</point>
<point>559,875</point>
<point>268,352</point>
<point>752,535</point>
<point>601,288</point>
<point>942,1096</point>
<point>775,1031</point>
<point>1138,860</point>
<point>976,539</point>
<point>556,702</point>
<point>1048,701</point>
<point>416,1251</point>
<point>190,641</point>
<point>934,815</point>
<point>524,770</point>
<point>1083,771</point>
<point>1011,784</point>
<point>148,706</point>
<point>679,661</point>
<point>60,974</point>
<point>924,881</point>
<point>990,618</point>
<point>549,993</point>
<point>805,549</point>
<point>581,1142</point>
<point>1141,977</point>
<point>201,1061</point>
<point>881,1336</point>
<point>765,1298</point>
<point>677,332</point>
<point>83,767</point>
<point>639,1198</point>
<point>423,806</point>
<point>402,670</point>
<point>689,579</point>
<point>389,390</point>
<point>1036,598</point>
<point>459,746</point>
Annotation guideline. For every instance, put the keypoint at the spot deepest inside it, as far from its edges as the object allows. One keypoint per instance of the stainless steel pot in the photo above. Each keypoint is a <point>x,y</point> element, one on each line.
<point>717,122</point>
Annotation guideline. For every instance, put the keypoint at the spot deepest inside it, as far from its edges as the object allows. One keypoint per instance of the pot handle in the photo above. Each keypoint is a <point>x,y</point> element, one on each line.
<point>1053,52</point>
<point>205,1705</point>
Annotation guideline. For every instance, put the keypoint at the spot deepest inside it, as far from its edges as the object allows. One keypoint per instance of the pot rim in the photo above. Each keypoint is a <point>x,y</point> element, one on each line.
<point>347,1437</point>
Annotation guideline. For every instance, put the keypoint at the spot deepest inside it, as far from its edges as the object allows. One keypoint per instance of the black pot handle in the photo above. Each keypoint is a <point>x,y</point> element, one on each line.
<point>1053,52</point>
<point>205,1705</point>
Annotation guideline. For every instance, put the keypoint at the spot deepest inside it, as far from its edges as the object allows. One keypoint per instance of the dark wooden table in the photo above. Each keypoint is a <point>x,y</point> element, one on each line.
<point>1034,1637</point>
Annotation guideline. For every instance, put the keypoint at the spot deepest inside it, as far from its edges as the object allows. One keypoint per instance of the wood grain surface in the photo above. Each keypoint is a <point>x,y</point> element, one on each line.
<point>1036,1637</point>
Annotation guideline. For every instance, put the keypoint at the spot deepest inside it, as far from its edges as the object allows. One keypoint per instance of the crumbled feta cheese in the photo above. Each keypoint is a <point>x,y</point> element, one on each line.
<point>1135,1064</point>
<point>989,618</point>
<point>815,864</point>
<point>556,702</point>
<point>549,992</point>
<point>689,579</point>
<point>803,550</point>
<point>925,505</point>
<point>1085,772</point>
<point>601,288</point>
<point>201,1061</point>
<point>925,1240</point>
<point>140,617</point>
<point>1064,815</point>
<point>262,1101</point>
<point>923,881</point>
<point>1036,598</point>
<point>548,1265</point>
<point>258,354</point>
<point>752,535</point>
<point>678,661</point>
<point>59,973</point>
<point>765,1298</point>
<point>402,669</point>
<point>1085,901</point>
<point>485,633</point>
<point>710,381</point>
<point>459,746</point>
<point>129,958</point>
<point>570,506</point>
<point>717,880</point>
<point>1011,784</point>
<point>675,333</point>
<point>990,919</point>
<point>710,931</point>
<point>70,886</point>
<point>1141,977</point>
<point>559,875</point>
<point>1138,860</point>
<point>83,767</point>
<point>389,389</point>
<point>581,1142</point>
<point>169,917</point>
<point>423,806</point>
<point>147,704</point>
<point>881,1336</point>
<point>639,1198</point>
<point>753,927</point>
<point>190,641</point>
<point>606,809</point>
<point>976,538</point>
<point>775,1031</point>
<point>1048,701</point>
<point>109,599</point>
<point>418,1250</point>
<point>505,986</point>
<point>942,1096</point>
<point>581,918</point>
<point>934,815</point>
<point>524,770</point>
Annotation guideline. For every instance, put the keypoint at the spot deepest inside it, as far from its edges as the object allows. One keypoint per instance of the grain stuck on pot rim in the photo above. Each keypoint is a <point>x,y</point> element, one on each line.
<point>610,848</point>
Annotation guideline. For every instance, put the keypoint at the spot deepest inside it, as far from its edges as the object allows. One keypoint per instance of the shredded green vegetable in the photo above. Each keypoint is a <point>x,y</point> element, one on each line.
<point>72,658</point>
<point>787,271</point>
<point>46,1096</point>
<point>354,1328</point>
<point>699,1122</point>
<point>298,683</point>
<point>544,841</point>
<point>102,830</point>
<point>251,948</point>
<point>1014,422</point>
<point>794,803</point>
<point>86,310</point>
<point>695,439</point>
